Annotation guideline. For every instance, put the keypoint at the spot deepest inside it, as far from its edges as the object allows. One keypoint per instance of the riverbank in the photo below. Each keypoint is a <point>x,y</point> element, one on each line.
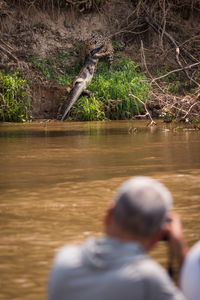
<point>43,44</point>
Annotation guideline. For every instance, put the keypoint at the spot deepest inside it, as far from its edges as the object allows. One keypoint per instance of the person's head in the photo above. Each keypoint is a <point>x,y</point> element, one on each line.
<point>140,207</point>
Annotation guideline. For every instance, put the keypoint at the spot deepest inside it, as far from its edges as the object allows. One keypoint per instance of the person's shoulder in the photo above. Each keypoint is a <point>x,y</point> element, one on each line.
<point>156,281</point>
<point>150,269</point>
<point>67,255</point>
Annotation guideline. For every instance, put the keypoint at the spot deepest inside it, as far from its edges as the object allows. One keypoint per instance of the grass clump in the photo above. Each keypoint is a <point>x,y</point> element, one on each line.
<point>110,93</point>
<point>14,98</point>
<point>87,109</point>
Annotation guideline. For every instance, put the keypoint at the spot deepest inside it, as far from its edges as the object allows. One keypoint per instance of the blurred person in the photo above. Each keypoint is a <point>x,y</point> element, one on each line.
<point>190,274</point>
<point>116,266</point>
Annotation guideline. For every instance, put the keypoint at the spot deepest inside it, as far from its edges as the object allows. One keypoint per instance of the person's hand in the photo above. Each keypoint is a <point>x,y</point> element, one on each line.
<point>173,230</point>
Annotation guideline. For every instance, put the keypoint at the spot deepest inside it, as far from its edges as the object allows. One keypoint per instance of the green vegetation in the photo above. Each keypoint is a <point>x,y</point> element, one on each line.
<point>110,93</point>
<point>56,68</point>
<point>14,98</point>
<point>87,109</point>
<point>109,89</point>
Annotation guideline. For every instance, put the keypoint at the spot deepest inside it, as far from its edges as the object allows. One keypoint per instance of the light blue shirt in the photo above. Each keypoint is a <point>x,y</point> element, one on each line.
<point>108,269</point>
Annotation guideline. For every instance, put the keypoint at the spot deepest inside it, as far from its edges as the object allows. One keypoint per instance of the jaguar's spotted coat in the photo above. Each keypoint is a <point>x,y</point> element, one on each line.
<point>98,40</point>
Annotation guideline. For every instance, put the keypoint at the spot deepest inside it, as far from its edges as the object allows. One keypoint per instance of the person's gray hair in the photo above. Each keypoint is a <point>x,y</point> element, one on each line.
<point>141,205</point>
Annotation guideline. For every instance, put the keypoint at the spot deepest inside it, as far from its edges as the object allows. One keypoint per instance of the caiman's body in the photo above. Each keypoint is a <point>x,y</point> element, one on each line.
<point>80,83</point>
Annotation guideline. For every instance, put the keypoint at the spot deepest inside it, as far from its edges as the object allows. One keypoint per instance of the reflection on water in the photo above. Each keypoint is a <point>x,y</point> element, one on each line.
<point>56,181</point>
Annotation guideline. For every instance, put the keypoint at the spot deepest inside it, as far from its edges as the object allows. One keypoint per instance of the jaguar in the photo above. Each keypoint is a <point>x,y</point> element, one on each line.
<point>98,40</point>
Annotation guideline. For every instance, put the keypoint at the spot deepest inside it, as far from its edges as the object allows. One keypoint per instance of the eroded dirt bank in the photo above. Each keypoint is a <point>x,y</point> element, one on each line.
<point>27,32</point>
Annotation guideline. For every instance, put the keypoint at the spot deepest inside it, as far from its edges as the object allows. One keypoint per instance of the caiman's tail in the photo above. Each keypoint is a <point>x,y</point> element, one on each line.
<point>73,95</point>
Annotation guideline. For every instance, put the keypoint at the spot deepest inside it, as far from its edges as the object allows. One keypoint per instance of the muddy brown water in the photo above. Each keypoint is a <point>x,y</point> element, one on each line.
<point>56,181</point>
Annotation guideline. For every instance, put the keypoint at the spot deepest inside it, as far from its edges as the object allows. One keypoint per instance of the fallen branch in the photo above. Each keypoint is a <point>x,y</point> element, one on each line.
<point>174,107</point>
<point>153,123</point>
<point>189,110</point>
<point>175,71</point>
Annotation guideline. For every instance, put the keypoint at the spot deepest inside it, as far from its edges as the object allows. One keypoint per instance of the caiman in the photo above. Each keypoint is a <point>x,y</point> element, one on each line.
<point>80,83</point>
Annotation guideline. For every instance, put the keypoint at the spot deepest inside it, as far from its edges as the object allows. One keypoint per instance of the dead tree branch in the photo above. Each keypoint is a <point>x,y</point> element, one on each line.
<point>145,107</point>
<point>175,44</point>
<point>175,71</point>
<point>145,65</point>
<point>170,39</point>
<point>175,107</point>
<point>187,113</point>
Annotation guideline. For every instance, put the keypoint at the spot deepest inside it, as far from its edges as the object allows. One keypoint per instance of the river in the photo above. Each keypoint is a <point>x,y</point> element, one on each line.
<point>56,180</point>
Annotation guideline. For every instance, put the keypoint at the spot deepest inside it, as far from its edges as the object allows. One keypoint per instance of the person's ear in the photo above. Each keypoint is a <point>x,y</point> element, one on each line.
<point>108,215</point>
<point>156,238</point>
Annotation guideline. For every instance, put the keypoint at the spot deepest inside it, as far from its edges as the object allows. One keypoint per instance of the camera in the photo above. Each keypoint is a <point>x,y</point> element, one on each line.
<point>165,237</point>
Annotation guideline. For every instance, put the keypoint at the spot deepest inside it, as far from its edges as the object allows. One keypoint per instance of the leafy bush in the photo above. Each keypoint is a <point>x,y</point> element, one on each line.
<point>110,90</point>
<point>14,98</point>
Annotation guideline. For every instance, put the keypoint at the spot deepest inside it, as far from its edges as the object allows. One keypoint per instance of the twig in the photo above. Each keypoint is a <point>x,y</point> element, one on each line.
<point>5,44</point>
<point>179,107</point>
<point>172,41</point>
<point>175,71</point>
<point>145,64</point>
<point>189,110</point>
<point>183,68</point>
<point>9,53</point>
<point>2,97</point>
<point>145,107</point>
